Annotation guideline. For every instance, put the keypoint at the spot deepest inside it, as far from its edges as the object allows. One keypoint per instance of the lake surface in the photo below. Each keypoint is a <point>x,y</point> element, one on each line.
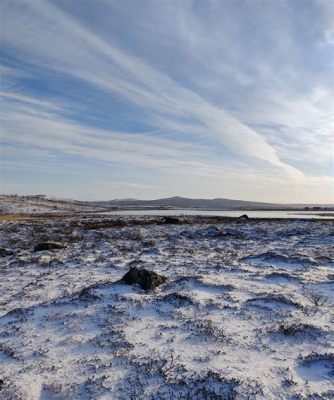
<point>251,214</point>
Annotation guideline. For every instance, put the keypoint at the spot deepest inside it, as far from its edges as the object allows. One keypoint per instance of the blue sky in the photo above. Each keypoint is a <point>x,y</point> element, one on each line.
<point>147,99</point>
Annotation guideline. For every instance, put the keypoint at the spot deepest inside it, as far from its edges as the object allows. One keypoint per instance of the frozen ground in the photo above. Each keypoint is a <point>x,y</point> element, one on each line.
<point>247,312</point>
<point>12,204</point>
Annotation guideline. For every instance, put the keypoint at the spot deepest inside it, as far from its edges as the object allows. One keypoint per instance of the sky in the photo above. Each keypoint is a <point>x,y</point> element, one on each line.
<point>146,99</point>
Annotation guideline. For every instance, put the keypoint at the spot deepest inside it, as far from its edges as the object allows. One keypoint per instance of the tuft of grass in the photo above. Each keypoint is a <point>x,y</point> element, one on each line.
<point>298,328</point>
<point>317,299</point>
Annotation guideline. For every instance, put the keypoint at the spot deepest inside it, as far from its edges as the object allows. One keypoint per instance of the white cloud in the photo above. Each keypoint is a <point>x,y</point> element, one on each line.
<point>32,27</point>
<point>40,125</point>
<point>22,98</point>
<point>254,104</point>
<point>328,15</point>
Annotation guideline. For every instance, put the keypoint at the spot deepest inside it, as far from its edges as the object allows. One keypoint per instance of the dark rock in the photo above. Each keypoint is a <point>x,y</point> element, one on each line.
<point>5,252</point>
<point>170,220</point>
<point>87,295</point>
<point>243,217</point>
<point>49,246</point>
<point>144,278</point>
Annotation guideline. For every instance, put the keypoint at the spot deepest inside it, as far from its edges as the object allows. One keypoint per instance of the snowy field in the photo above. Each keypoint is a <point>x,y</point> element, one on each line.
<point>40,204</point>
<point>246,313</point>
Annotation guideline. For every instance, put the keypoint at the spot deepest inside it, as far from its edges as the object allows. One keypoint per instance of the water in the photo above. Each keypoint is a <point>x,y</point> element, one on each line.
<point>251,214</point>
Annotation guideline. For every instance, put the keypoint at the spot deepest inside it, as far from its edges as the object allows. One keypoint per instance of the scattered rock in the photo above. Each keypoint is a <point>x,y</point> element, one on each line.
<point>5,252</point>
<point>49,246</point>
<point>144,278</point>
<point>170,220</point>
<point>243,217</point>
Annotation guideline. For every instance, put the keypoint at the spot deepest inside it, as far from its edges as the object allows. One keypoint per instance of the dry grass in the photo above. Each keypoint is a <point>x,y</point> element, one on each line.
<point>27,217</point>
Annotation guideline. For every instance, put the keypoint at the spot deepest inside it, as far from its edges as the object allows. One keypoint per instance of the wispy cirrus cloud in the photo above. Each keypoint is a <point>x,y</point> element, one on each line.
<point>213,87</point>
<point>84,55</point>
<point>35,122</point>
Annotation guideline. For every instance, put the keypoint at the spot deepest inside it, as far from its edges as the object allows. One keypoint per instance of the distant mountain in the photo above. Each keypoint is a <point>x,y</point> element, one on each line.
<point>209,204</point>
<point>182,202</point>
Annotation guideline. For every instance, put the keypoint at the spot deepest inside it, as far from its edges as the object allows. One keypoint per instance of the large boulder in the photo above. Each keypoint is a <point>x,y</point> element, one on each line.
<point>144,278</point>
<point>49,246</point>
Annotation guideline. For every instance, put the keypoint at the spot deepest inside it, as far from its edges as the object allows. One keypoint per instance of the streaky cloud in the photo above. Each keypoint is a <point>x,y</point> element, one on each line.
<point>86,56</point>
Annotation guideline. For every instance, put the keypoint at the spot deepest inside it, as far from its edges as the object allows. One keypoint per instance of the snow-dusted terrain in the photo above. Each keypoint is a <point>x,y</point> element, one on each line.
<point>40,204</point>
<point>247,312</point>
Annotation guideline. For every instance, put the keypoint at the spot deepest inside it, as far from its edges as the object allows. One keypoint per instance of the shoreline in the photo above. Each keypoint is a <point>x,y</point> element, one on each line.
<point>183,219</point>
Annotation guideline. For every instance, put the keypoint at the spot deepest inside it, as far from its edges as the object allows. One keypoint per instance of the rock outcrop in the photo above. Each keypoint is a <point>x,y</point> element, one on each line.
<point>144,278</point>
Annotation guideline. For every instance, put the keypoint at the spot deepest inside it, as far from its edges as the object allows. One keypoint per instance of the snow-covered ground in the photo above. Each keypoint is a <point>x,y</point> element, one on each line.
<point>247,312</point>
<point>12,204</point>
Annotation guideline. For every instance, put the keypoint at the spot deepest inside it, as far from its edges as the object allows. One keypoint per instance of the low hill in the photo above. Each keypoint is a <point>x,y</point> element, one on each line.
<point>182,202</point>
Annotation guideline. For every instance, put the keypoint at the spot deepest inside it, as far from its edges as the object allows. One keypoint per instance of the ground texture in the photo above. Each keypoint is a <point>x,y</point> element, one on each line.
<point>246,313</point>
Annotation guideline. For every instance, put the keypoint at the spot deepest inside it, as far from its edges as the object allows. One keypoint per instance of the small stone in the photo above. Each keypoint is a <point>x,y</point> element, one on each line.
<point>48,246</point>
<point>170,220</point>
